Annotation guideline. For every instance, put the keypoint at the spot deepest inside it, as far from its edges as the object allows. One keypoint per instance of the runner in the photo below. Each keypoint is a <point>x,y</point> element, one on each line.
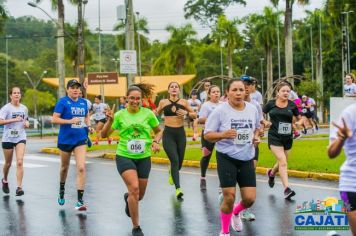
<point>122,103</point>
<point>14,118</point>
<point>207,147</point>
<point>174,138</point>
<point>250,83</point>
<point>71,113</point>
<point>89,104</point>
<point>313,109</point>
<point>99,109</point>
<point>344,135</point>
<point>350,86</point>
<point>254,93</point>
<point>307,115</point>
<point>203,95</point>
<point>195,103</point>
<point>280,136</point>
<point>234,126</point>
<point>133,155</point>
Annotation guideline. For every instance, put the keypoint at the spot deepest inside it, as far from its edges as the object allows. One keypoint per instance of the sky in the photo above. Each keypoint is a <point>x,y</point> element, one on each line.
<point>159,13</point>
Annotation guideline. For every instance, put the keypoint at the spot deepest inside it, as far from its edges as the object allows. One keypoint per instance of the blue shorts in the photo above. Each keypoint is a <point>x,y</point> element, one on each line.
<point>71,147</point>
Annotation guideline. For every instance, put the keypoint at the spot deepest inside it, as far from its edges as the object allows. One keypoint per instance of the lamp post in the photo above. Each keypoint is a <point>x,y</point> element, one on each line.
<point>60,44</point>
<point>99,41</point>
<point>261,59</point>
<point>139,45</point>
<point>348,38</point>
<point>7,67</point>
<point>278,48</point>
<point>34,86</point>
<point>311,52</point>
<point>116,61</point>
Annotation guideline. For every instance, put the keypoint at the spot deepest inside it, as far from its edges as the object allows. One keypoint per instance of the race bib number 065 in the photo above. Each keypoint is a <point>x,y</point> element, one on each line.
<point>136,146</point>
<point>243,136</point>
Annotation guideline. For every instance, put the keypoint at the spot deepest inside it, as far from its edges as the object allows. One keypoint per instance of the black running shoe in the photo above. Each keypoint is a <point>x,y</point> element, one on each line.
<point>270,178</point>
<point>5,186</point>
<point>127,210</point>
<point>19,191</point>
<point>288,193</point>
<point>202,184</point>
<point>137,231</point>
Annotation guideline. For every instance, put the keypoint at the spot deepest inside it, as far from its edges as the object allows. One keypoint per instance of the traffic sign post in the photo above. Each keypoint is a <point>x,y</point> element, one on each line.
<point>128,62</point>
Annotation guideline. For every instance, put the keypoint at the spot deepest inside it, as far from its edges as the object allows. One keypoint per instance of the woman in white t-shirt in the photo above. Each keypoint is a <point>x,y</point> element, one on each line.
<point>98,113</point>
<point>14,118</point>
<point>234,126</point>
<point>344,135</point>
<point>350,86</point>
<point>207,147</point>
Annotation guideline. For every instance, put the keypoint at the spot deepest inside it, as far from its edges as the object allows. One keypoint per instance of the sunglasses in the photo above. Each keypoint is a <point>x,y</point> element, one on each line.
<point>132,98</point>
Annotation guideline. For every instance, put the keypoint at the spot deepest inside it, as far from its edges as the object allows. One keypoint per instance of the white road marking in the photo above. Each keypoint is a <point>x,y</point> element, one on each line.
<point>26,165</point>
<point>48,159</point>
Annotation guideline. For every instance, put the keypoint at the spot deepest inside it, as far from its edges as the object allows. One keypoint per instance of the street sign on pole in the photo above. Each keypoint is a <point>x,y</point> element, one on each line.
<point>102,78</point>
<point>128,63</point>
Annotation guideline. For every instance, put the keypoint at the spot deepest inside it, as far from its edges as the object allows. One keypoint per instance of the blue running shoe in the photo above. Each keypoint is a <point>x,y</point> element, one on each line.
<point>61,199</point>
<point>80,206</point>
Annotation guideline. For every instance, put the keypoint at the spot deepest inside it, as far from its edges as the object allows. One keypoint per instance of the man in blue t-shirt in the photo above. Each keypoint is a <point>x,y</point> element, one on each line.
<point>71,113</point>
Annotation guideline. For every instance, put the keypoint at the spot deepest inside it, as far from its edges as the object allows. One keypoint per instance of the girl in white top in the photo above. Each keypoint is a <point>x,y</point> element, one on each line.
<point>234,126</point>
<point>344,135</point>
<point>350,86</point>
<point>207,148</point>
<point>98,113</point>
<point>14,117</point>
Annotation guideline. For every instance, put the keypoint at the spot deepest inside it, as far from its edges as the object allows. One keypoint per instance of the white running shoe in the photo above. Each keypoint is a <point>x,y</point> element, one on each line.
<point>236,223</point>
<point>247,215</point>
<point>222,234</point>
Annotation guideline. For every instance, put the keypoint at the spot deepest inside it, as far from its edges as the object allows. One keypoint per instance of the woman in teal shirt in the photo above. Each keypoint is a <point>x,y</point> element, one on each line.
<point>133,155</point>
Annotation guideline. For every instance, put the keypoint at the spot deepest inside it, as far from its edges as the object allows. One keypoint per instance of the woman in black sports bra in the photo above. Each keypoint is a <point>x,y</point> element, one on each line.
<point>174,139</point>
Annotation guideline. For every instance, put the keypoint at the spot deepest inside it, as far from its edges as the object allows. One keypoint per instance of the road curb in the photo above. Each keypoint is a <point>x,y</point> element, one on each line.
<point>196,164</point>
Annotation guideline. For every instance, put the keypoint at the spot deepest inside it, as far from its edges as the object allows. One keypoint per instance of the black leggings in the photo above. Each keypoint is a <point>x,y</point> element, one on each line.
<point>207,148</point>
<point>174,142</point>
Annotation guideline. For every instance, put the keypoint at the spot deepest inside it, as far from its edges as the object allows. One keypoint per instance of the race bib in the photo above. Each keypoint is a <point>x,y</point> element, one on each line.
<point>14,133</point>
<point>284,128</point>
<point>243,136</point>
<point>136,146</point>
<point>80,124</point>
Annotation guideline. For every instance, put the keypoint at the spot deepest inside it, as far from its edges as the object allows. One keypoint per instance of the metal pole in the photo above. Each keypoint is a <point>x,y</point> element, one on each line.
<point>311,53</point>
<point>130,36</point>
<point>321,72</point>
<point>7,70</point>
<point>261,59</point>
<point>100,69</point>
<point>279,51</point>
<point>348,42</point>
<point>139,45</point>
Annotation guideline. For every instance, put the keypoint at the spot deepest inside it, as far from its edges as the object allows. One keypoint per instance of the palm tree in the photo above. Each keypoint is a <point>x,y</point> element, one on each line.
<point>288,28</point>
<point>227,36</point>
<point>264,28</point>
<point>177,55</point>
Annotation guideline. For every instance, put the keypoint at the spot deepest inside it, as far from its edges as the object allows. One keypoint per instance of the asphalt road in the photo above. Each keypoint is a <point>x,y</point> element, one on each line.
<point>37,212</point>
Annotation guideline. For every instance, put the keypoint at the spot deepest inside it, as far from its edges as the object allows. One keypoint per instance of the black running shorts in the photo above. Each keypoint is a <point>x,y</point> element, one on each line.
<point>349,199</point>
<point>232,171</point>
<point>142,166</point>
<point>71,147</point>
<point>285,142</point>
<point>9,145</point>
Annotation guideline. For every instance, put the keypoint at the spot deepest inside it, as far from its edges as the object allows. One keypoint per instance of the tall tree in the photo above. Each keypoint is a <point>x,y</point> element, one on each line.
<point>207,11</point>
<point>177,56</point>
<point>288,31</point>
<point>266,35</point>
<point>227,36</point>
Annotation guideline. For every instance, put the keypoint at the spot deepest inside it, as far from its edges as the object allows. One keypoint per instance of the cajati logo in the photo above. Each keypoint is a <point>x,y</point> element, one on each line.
<point>327,214</point>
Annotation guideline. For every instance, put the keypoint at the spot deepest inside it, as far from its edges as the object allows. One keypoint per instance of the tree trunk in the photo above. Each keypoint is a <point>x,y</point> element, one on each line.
<point>229,62</point>
<point>269,72</point>
<point>60,49</point>
<point>288,28</point>
<point>80,48</point>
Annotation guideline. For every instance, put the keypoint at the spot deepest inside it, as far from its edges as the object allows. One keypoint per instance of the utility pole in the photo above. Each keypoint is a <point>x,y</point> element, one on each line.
<point>80,48</point>
<point>130,36</point>
<point>311,52</point>
<point>60,49</point>
<point>139,45</point>
<point>321,71</point>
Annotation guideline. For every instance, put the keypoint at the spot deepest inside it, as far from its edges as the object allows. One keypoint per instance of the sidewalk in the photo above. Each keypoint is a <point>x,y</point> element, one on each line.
<point>109,154</point>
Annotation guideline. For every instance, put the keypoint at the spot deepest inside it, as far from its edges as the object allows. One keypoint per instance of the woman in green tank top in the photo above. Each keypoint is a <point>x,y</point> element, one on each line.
<point>133,155</point>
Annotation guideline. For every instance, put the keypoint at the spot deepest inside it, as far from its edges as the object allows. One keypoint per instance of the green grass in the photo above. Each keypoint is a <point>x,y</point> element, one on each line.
<point>306,155</point>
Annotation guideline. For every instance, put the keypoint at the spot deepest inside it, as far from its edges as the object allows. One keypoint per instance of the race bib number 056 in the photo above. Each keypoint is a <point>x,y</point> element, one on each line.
<point>136,146</point>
